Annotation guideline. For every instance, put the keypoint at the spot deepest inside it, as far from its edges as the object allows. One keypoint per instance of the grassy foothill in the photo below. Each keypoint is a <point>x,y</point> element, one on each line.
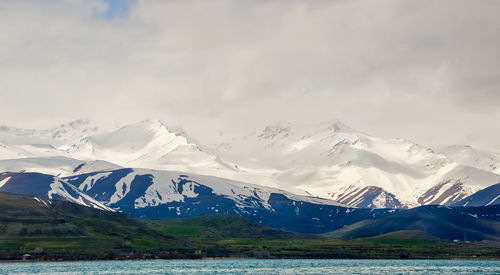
<point>55,230</point>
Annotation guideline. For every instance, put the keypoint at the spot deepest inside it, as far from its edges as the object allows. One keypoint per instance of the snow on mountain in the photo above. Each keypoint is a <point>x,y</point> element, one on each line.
<point>162,188</point>
<point>328,160</point>
<point>59,166</point>
<point>55,136</point>
<point>26,143</point>
<point>162,194</point>
<point>470,156</point>
<point>147,144</point>
<point>367,197</point>
<point>331,160</point>
<point>8,151</point>
<point>485,197</point>
<point>46,186</point>
<point>457,184</point>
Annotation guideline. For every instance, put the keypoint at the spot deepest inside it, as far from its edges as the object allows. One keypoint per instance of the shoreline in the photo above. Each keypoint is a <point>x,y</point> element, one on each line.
<point>260,259</point>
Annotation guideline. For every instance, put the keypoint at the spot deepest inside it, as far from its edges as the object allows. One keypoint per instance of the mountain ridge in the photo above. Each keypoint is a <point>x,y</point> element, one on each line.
<point>329,160</point>
<point>170,194</point>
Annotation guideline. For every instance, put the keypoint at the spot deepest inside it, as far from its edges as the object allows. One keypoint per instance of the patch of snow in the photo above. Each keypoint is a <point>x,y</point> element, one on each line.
<point>4,181</point>
<point>89,182</point>
<point>122,187</point>
<point>493,200</point>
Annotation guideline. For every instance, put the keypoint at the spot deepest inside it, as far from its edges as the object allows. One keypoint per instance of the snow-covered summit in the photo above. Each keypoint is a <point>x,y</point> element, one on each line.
<point>332,160</point>
<point>471,156</point>
<point>329,159</point>
<point>55,136</point>
<point>338,126</point>
<point>146,144</point>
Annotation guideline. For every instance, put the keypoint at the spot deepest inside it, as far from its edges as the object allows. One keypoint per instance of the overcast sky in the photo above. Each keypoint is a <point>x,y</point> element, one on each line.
<point>428,71</point>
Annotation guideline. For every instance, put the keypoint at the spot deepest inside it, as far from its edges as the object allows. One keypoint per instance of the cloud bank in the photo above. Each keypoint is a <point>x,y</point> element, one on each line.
<point>423,70</point>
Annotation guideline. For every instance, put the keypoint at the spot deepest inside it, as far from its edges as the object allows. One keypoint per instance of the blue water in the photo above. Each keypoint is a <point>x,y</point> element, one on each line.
<point>257,267</point>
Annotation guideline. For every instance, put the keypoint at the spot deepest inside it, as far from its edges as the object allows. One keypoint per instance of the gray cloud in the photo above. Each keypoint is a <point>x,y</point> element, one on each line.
<point>423,70</point>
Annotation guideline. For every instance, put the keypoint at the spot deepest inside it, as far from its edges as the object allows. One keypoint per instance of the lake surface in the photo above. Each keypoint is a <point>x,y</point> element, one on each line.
<point>257,267</point>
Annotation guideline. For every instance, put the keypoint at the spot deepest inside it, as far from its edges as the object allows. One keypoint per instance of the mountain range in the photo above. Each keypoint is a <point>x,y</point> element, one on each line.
<point>328,160</point>
<point>153,194</point>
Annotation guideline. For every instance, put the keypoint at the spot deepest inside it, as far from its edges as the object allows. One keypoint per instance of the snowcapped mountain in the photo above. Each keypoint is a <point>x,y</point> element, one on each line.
<point>328,160</point>
<point>18,143</point>
<point>147,144</point>
<point>164,187</point>
<point>8,151</point>
<point>485,197</point>
<point>160,187</point>
<point>469,156</point>
<point>457,184</point>
<point>58,166</point>
<point>46,186</point>
<point>367,197</point>
<point>55,136</point>
<point>163,194</point>
<point>331,160</point>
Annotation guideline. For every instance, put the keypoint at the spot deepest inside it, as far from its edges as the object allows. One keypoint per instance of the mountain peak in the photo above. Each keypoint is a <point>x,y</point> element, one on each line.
<point>76,123</point>
<point>336,125</point>
<point>272,131</point>
<point>157,124</point>
<point>153,122</point>
<point>55,136</point>
<point>83,127</point>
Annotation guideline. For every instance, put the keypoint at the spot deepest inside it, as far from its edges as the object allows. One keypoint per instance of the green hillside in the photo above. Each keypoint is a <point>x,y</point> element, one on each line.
<point>434,221</point>
<point>71,231</point>
<point>218,227</point>
<point>55,230</point>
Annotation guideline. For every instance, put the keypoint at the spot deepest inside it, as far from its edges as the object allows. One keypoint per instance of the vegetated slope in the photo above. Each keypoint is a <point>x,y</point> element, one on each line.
<point>220,227</point>
<point>471,224</point>
<point>485,197</point>
<point>33,216</point>
<point>50,228</point>
<point>58,229</point>
<point>169,194</point>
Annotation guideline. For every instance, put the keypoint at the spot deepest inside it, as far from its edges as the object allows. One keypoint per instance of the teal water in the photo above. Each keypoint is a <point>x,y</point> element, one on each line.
<point>257,267</point>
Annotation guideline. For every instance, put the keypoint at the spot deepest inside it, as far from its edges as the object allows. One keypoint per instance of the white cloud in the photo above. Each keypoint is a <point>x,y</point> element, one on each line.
<point>427,71</point>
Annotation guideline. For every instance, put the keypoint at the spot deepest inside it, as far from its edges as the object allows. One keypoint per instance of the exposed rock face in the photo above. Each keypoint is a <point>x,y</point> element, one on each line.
<point>368,197</point>
<point>445,193</point>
